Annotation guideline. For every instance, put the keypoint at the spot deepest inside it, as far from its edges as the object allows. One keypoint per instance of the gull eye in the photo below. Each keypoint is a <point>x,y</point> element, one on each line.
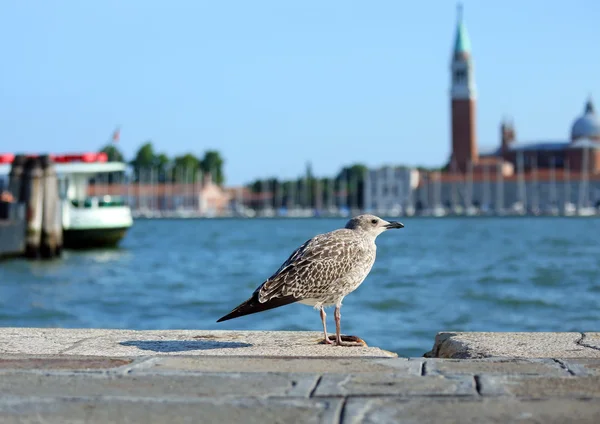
<point>374,221</point>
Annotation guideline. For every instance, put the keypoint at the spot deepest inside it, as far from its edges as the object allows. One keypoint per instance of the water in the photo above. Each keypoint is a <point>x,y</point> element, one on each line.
<point>463,274</point>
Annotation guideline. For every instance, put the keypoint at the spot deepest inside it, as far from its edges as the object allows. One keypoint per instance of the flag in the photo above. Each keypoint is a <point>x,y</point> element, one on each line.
<point>116,135</point>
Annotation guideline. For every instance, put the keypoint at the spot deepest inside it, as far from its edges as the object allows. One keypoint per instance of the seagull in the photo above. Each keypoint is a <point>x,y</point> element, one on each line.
<point>321,272</point>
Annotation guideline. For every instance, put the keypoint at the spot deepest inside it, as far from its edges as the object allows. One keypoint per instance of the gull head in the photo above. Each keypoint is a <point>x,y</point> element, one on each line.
<point>372,224</point>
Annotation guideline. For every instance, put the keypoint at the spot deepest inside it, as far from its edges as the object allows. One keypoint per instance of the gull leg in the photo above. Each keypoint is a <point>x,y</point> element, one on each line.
<point>353,340</point>
<point>338,319</point>
<point>323,316</point>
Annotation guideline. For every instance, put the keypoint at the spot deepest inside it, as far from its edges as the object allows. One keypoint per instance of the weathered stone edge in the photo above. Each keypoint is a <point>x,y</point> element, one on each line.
<point>445,346</point>
<point>462,345</point>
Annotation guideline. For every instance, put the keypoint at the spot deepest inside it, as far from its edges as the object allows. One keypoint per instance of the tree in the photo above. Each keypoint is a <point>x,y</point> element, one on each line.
<point>304,189</point>
<point>213,162</point>
<point>114,154</point>
<point>144,156</point>
<point>162,162</point>
<point>144,160</point>
<point>186,168</point>
<point>309,173</point>
<point>353,177</point>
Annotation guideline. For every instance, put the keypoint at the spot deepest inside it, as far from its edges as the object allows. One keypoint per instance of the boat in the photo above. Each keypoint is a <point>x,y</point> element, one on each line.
<point>439,211</point>
<point>88,221</point>
<point>471,210</point>
<point>518,208</point>
<point>409,210</point>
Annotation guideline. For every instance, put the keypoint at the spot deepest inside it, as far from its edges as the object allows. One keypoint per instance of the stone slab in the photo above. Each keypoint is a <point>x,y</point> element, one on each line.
<point>130,343</point>
<point>493,366</point>
<point>48,362</point>
<point>156,385</point>
<point>582,366</point>
<point>145,411</point>
<point>591,340</point>
<point>513,345</point>
<point>541,387</point>
<point>394,385</point>
<point>467,410</point>
<point>270,364</point>
<point>101,376</point>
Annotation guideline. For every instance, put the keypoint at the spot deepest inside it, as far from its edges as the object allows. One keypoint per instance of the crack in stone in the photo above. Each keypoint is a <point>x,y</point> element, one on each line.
<point>141,363</point>
<point>477,380</point>
<point>314,389</point>
<point>77,344</point>
<point>343,411</point>
<point>581,342</point>
<point>563,366</point>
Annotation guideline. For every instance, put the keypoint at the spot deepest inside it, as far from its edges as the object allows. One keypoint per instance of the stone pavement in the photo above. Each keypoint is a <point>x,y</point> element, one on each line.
<point>525,345</point>
<point>195,386</point>
<point>58,341</point>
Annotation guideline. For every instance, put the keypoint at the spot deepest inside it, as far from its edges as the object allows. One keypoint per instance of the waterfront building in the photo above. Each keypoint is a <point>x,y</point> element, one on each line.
<point>581,148</point>
<point>390,190</point>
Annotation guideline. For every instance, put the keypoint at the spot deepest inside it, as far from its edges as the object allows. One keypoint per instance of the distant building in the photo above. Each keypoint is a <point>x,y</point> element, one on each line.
<point>390,188</point>
<point>533,175</point>
<point>582,150</point>
<point>584,135</point>
<point>203,197</point>
<point>463,97</point>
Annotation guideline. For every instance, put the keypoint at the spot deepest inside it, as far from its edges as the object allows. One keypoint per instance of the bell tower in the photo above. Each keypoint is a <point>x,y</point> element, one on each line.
<point>463,96</point>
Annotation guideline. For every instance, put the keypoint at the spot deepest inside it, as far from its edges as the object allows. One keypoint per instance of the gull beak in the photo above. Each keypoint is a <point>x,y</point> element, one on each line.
<point>394,224</point>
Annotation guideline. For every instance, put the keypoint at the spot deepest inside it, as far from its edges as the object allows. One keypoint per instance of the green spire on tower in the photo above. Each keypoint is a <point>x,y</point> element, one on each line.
<point>462,44</point>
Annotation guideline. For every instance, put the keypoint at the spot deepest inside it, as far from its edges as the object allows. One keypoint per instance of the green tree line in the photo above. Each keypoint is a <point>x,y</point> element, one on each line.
<point>308,189</point>
<point>305,190</point>
<point>148,163</point>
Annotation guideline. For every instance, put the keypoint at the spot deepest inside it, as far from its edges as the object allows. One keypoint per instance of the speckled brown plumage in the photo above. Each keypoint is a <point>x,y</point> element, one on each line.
<point>322,271</point>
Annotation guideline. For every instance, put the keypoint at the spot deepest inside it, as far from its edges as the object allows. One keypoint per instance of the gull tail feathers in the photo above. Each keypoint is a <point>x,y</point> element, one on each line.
<point>252,306</point>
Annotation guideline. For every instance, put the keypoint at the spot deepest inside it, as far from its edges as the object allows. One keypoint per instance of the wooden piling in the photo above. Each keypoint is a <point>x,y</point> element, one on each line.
<point>32,193</point>
<point>51,243</point>
<point>15,178</point>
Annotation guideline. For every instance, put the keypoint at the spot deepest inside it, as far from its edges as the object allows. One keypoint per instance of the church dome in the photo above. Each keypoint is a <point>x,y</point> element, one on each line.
<point>587,125</point>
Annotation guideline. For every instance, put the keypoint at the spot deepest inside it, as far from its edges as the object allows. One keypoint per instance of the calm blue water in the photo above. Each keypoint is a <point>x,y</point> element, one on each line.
<point>463,274</point>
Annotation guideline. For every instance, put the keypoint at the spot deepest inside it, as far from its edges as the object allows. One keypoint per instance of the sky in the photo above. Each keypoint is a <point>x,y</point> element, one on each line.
<point>275,84</point>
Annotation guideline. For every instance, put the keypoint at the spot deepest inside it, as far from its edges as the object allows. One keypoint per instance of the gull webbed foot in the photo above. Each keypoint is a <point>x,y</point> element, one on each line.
<point>346,340</point>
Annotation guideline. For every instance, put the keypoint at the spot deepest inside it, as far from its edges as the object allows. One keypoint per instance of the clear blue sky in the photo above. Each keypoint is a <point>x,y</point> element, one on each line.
<point>272,84</point>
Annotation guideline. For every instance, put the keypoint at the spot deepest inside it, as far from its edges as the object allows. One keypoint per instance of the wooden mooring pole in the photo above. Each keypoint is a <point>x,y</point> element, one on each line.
<point>51,243</point>
<point>15,178</point>
<point>33,195</point>
<point>38,189</point>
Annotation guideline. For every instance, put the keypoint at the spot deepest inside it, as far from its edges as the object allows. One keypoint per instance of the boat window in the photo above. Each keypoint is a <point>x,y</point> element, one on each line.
<point>103,202</point>
<point>109,201</point>
<point>82,203</point>
<point>63,187</point>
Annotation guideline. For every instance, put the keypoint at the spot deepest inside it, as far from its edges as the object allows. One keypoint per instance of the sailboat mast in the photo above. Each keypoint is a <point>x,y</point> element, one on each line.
<point>499,189</point>
<point>534,184</point>
<point>521,180</point>
<point>453,183</point>
<point>583,182</point>
<point>469,197</point>
<point>567,191</point>
<point>426,180</point>
<point>552,182</point>
<point>367,190</point>
<point>486,186</point>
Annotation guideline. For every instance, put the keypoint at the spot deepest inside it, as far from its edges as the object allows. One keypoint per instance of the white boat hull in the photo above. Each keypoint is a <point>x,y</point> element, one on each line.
<point>95,226</point>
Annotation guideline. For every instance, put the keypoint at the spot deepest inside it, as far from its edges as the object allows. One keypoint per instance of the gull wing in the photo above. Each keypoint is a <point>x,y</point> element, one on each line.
<point>307,273</point>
